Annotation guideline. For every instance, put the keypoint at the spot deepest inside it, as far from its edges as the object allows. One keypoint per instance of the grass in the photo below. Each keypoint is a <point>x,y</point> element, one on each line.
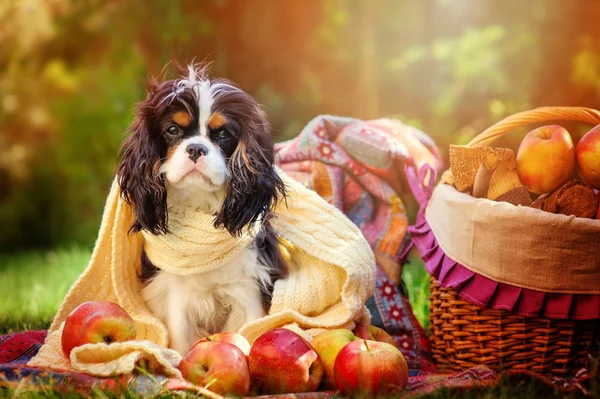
<point>33,284</point>
<point>416,281</point>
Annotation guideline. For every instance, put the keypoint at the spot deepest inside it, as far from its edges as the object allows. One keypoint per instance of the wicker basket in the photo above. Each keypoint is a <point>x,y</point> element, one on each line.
<point>464,334</point>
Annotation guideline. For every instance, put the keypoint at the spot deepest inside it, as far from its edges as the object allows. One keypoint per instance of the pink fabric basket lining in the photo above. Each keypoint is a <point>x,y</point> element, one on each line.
<point>484,291</point>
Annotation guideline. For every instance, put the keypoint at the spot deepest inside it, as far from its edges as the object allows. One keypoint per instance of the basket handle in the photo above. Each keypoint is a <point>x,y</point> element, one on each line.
<point>542,114</point>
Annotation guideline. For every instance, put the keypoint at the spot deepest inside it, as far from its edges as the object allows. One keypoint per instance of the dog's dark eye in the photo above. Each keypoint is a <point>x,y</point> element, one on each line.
<point>173,130</point>
<point>223,134</point>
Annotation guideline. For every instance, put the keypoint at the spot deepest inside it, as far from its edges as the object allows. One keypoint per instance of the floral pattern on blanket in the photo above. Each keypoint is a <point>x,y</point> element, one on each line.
<point>358,166</point>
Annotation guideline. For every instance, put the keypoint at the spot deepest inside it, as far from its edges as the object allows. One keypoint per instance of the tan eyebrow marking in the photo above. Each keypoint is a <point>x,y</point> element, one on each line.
<point>182,118</point>
<point>216,120</point>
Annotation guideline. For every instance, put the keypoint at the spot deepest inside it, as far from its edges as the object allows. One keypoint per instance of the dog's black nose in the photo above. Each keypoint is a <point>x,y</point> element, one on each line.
<point>196,151</point>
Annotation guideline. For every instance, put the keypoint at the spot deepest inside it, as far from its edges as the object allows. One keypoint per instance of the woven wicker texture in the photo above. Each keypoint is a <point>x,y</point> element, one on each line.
<point>464,335</point>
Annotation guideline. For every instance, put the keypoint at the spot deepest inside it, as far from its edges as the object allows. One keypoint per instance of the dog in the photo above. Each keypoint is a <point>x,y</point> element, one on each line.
<point>204,144</point>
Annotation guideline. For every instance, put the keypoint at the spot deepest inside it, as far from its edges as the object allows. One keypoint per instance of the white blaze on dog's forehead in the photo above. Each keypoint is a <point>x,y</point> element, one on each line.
<point>192,80</point>
<point>202,91</point>
<point>205,102</point>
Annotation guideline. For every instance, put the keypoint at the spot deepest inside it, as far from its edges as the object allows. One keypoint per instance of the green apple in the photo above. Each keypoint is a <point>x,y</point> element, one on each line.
<point>328,345</point>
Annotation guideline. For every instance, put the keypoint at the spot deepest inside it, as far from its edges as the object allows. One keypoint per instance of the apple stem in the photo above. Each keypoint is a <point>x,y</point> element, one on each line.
<point>366,345</point>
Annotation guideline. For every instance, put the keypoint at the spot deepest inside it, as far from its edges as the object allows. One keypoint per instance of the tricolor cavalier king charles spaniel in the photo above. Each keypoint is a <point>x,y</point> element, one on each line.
<point>206,144</point>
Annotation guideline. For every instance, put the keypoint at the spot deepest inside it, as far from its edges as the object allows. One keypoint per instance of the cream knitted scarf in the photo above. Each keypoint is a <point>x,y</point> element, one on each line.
<point>193,245</point>
<point>331,275</point>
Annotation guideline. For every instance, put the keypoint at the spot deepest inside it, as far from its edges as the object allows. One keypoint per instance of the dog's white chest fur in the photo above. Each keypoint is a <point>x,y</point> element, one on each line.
<point>198,305</point>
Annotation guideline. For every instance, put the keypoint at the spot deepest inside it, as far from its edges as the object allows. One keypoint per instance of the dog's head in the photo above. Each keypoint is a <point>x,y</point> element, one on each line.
<point>199,138</point>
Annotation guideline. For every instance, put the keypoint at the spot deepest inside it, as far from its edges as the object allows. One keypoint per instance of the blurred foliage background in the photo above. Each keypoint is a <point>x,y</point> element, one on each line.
<point>71,71</point>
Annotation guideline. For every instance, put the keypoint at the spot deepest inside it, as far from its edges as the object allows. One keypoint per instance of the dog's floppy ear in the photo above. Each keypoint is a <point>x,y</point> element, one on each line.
<point>138,173</point>
<point>254,187</point>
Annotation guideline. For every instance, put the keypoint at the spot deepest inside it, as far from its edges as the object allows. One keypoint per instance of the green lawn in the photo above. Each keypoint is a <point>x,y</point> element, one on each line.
<point>33,284</point>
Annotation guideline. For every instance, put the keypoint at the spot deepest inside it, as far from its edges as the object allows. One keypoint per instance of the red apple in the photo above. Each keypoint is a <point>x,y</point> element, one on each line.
<point>281,361</point>
<point>546,159</point>
<point>219,366</point>
<point>327,345</point>
<point>93,322</point>
<point>588,157</point>
<point>370,368</point>
<point>371,332</point>
<point>229,337</point>
<point>598,213</point>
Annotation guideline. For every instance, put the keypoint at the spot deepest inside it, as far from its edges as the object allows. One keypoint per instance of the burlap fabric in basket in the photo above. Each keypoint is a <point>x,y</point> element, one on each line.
<point>512,287</point>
